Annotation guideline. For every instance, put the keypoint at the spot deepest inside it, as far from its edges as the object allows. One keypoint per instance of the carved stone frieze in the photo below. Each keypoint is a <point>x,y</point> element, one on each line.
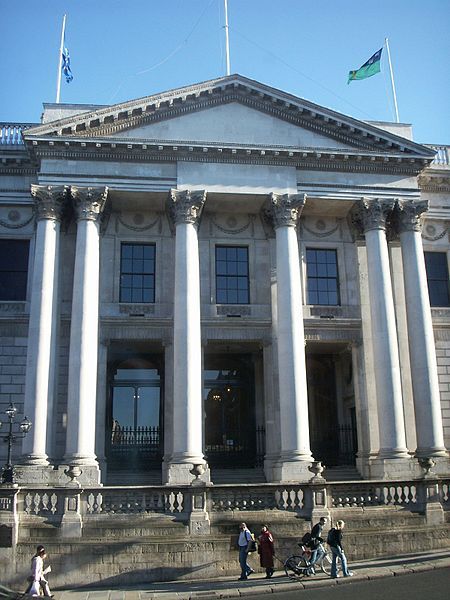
<point>409,214</point>
<point>137,309</point>
<point>50,201</point>
<point>185,206</point>
<point>89,202</point>
<point>284,210</point>
<point>15,220</point>
<point>372,213</point>
<point>237,311</point>
<point>431,234</point>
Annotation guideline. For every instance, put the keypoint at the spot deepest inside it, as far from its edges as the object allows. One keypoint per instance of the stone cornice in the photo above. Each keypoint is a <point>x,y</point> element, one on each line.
<point>430,182</point>
<point>136,113</point>
<point>329,159</point>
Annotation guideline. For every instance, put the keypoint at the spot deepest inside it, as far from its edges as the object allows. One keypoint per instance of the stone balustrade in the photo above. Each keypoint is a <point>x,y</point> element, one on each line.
<point>20,504</point>
<point>11,133</point>
<point>442,157</point>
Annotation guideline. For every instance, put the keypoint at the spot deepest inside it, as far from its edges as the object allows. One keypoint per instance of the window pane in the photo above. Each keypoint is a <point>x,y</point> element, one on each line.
<point>322,271</point>
<point>438,278</point>
<point>232,275</point>
<point>138,259</point>
<point>13,269</point>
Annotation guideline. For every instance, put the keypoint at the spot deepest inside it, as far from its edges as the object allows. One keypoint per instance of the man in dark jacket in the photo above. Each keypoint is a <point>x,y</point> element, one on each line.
<point>316,540</point>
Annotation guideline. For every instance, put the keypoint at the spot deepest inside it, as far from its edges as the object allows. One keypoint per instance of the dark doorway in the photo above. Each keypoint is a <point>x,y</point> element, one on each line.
<point>134,429</point>
<point>230,429</point>
<point>333,439</point>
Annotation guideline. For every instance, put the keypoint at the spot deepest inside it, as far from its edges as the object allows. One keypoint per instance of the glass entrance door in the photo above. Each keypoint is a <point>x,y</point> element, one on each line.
<point>230,433</point>
<point>135,431</point>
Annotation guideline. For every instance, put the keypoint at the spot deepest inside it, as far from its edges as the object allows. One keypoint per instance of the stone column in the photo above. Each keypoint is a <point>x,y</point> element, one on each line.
<point>185,208</point>
<point>295,456</point>
<point>427,403</point>
<point>392,456</point>
<point>83,352</point>
<point>39,382</point>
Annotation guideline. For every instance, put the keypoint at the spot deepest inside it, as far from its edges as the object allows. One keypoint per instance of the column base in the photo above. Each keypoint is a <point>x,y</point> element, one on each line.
<point>34,459</point>
<point>39,473</point>
<point>73,475</point>
<point>391,468</point>
<point>292,470</point>
<point>438,466</point>
<point>181,473</point>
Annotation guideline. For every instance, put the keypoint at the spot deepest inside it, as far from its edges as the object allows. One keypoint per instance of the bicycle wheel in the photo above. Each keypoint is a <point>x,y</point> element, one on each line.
<point>325,563</point>
<point>295,565</point>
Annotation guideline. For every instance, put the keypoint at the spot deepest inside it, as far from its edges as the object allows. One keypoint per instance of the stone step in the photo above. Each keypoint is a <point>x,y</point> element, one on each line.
<point>219,476</point>
<point>346,473</point>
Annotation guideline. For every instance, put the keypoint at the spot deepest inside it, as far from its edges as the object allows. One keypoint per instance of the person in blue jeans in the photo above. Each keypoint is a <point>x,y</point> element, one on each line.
<point>243,543</point>
<point>335,542</point>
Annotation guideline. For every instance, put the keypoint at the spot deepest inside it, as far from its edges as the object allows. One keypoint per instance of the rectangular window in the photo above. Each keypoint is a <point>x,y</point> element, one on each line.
<point>137,273</point>
<point>14,269</point>
<point>437,275</point>
<point>323,279</point>
<point>232,279</point>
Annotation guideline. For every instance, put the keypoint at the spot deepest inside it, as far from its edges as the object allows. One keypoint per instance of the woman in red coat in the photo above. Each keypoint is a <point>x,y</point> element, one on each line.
<point>266,551</point>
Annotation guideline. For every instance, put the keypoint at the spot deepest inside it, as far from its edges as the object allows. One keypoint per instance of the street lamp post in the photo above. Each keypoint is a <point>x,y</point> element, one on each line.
<point>10,438</point>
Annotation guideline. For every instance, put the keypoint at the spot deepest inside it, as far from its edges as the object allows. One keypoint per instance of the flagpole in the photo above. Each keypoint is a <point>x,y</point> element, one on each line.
<point>58,84</point>
<point>392,80</point>
<point>227,41</point>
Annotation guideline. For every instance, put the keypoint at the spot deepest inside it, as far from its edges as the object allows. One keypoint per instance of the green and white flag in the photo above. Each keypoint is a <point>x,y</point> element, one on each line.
<point>369,68</point>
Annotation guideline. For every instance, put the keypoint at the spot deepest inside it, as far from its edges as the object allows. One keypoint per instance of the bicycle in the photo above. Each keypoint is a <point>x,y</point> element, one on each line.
<point>300,566</point>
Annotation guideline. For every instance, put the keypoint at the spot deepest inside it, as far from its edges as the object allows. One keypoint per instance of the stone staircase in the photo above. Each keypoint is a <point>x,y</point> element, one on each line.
<point>345,473</point>
<point>220,476</point>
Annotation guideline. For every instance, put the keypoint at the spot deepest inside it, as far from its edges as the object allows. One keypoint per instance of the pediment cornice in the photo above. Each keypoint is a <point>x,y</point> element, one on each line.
<point>112,120</point>
<point>138,150</point>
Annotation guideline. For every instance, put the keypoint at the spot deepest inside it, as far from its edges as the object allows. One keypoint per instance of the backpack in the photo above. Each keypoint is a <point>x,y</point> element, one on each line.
<point>331,537</point>
<point>251,543</point>
<point>306,539</point>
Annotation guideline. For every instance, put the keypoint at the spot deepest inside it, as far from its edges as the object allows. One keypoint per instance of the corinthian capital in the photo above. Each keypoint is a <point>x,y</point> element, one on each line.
<point>185,206</point>
<point>372,213</point>
<point>49,201</point>
<point>285,209</point>
<point>88,202</point>
<point>409,213</point>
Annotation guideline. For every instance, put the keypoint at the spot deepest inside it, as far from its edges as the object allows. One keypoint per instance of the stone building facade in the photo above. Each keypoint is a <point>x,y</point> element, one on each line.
<point>223,282</point>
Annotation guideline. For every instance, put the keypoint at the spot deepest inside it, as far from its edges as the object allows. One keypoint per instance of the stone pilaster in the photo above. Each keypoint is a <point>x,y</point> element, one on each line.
<point>39,382</point>
<point>185,208</point>
<point>427,405</point>
<point>392,461</point>
<point>83,354</point>
<point>295,454</point>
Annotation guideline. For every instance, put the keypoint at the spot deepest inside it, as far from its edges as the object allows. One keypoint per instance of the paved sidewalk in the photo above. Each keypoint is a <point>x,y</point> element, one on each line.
<point>257,586</point>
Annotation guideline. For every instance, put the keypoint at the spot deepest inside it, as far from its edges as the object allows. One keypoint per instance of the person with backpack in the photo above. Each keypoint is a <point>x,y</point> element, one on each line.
<point>316,540</point>
<point>334,540</point>
<point>245,542</point>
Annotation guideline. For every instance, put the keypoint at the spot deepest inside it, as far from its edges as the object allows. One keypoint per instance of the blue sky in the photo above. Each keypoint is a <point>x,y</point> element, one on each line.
<point>125,49</point>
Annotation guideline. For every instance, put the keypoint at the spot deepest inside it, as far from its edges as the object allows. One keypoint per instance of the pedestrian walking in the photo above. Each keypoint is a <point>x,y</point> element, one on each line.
<point>334,540</point>
<point>37,580</point>
<point>266,551</point>
<point>244,541</point>
<point>316,542</point>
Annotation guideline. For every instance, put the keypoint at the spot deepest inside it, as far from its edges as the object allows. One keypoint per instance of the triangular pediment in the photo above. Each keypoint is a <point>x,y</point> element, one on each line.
<point>230,110</point>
